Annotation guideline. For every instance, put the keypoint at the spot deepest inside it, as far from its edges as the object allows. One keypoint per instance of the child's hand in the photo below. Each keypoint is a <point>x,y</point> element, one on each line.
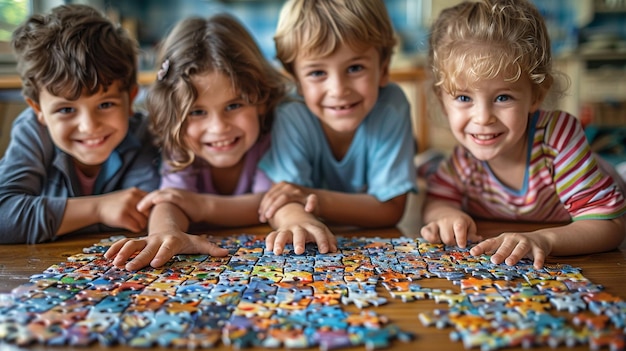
<point>119,210</point>
<point>451,230</point>
<point>188,201</point>
<point>512,247</point>
<point>299,234</point>
<point>158,248</point>
<point>283,193</point>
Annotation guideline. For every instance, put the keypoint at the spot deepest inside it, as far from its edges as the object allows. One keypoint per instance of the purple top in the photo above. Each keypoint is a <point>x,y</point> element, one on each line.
<point>197,176</point>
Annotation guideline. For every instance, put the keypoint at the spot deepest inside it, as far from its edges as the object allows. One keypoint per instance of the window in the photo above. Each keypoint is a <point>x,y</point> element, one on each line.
<point>12,14</point>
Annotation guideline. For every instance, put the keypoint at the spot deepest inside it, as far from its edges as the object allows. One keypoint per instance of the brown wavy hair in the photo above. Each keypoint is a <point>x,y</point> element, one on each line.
<point>71,51</point>
<point>198,46</point>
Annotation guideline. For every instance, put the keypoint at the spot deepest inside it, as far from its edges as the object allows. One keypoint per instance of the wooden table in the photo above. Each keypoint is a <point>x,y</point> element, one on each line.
<point>18,262</point>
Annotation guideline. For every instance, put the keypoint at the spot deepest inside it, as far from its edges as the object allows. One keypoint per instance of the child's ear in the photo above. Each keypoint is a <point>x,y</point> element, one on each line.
<point>539,96</point>
<point>540,93</point>
<point>132,94</point>
<point>35,106</point>
<point>384,73</point>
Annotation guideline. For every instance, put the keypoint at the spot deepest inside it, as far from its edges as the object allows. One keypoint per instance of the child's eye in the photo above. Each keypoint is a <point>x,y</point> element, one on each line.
<point>355,68</point>
<point>233,106</point>
<point>66,110</point>
<point>463,98</point>
<point>503,98</point>
<point>106,105</point>
<point>316,74</point>
<point>197,113</point>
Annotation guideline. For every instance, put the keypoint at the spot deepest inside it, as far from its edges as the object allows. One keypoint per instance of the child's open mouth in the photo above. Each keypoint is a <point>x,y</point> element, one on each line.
<point>223,143</point>
<point>485,137</point>
<point>344,107</point>
<point>93,142</point>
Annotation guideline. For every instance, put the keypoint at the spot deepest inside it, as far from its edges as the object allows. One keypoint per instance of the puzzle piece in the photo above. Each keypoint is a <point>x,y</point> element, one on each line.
<point>254,298</point>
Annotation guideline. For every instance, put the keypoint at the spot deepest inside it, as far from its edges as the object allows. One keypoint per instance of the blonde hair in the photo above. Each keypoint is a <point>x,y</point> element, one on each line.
<point>198,46</point>
<point>319,27</point>
<point>481,40</point>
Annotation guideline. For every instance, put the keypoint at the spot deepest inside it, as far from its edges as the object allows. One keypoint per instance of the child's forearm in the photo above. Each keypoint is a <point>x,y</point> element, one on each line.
<point>231,211</point>
<point>585,236</point>
<point>167,217</point>
<point>362,210</point>
<point>79,213</point>
<point>290,214</point>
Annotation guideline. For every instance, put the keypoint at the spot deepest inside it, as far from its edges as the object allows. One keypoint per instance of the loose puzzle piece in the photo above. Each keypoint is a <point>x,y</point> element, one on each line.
<point>253,298</point>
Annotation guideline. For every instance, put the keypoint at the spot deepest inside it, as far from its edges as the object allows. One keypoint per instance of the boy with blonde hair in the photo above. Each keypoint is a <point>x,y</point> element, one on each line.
<point>79,160</point>
<point>342,153</point>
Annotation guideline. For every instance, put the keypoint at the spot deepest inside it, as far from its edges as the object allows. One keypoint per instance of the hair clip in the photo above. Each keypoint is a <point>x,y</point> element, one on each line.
<point>165,66</point>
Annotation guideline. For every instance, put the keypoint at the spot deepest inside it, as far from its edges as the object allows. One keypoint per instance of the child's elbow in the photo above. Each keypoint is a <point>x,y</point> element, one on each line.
<point>397,207</point>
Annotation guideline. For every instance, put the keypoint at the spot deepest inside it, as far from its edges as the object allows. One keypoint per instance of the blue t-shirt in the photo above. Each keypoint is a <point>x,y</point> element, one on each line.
<point>379,161</point>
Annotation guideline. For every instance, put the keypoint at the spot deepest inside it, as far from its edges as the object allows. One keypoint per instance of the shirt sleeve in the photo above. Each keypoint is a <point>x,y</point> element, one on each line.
<point>585,191</point>
<point>25,215</point>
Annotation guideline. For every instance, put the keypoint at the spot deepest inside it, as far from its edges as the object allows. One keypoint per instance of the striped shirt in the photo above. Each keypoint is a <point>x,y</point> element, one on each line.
<point>562,181</point>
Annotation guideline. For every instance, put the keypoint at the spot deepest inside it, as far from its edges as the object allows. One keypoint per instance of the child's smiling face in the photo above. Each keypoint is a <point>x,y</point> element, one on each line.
<point>89,128</point>
<point>490,117</point>
<point>342,88</point>
<point>221,126</point>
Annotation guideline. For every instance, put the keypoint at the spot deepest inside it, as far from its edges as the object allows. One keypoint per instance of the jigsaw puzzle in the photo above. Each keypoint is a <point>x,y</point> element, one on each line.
<point>254,298</point>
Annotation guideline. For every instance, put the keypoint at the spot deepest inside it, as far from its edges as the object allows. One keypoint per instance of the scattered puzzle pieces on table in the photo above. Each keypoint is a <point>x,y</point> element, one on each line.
<point>255,298</point>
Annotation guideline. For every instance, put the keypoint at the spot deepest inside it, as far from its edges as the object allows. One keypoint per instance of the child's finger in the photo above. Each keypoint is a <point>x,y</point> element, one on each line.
<point>282,238</point>
<point>484,247</point>
<point>133,224</point>
<point>206,246</point>
<point>269,241</point>
<point>460,229</point>
<point>266,201</point>
<point>310,205</point>
<point>333,242</point>
<point>323,243</point>
<point>158,259</point>
<point>136,221</point>
<point>504,251</point>
<point>520,250</point>
<point>145,204</point>
<point>115,248</point>
<point>539,257</point>
<point>430,232</point>
<point>299,240</point>
<point>126,251</point>
<point>267,208</point>
<point>447,234</point>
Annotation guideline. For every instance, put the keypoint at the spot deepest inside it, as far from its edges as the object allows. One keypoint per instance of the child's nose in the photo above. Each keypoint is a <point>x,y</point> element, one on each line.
<point>87,123</point>
<point>338,86</point>
<point>217,124</point>
<point>483,115</point>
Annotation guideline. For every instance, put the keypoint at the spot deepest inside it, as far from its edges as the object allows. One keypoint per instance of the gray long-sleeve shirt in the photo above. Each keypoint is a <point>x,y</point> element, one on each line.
<point>37,178</point>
